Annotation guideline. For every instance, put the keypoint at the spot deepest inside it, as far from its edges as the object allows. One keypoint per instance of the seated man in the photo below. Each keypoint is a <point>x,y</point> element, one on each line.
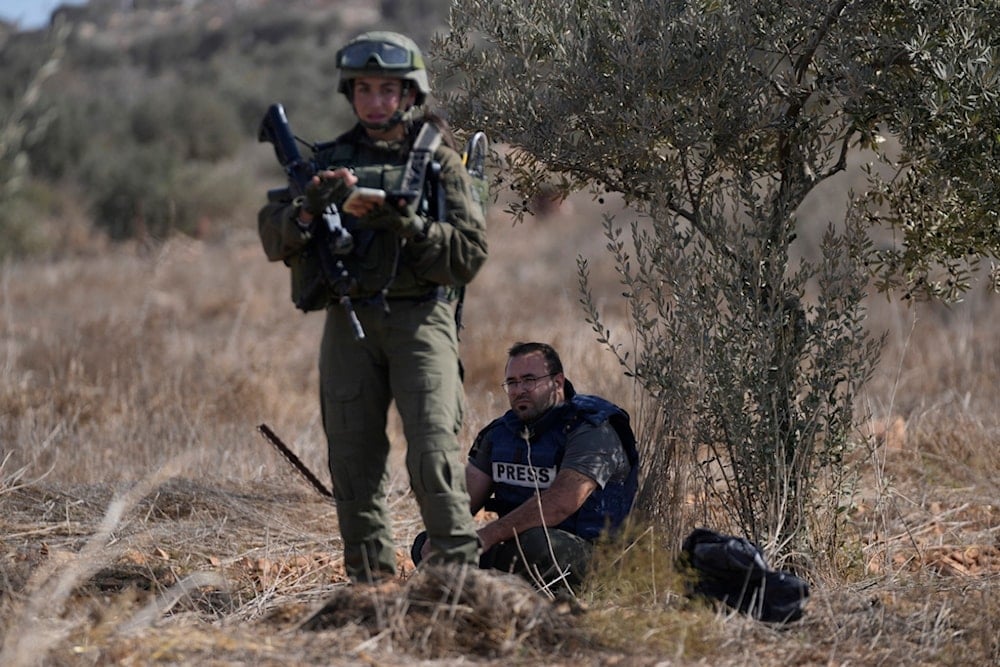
<point>559,468</point>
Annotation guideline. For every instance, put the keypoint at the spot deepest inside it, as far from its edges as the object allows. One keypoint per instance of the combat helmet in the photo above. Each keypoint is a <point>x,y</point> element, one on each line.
<point>381,53</point>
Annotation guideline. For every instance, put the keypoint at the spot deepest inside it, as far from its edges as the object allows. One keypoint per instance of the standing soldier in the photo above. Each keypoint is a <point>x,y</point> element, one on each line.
<point>391,331</point>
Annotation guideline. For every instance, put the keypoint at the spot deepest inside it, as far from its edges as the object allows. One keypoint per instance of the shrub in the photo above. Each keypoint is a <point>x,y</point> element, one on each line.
<point>58,138</point>
<point>132,193</point>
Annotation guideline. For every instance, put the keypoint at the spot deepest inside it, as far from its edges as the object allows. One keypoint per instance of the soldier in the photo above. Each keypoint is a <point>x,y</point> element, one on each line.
<point>559,468</point>
<point>406,261</point>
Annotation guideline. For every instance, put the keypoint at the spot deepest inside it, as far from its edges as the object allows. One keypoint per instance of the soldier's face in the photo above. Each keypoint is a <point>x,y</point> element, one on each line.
<point>377,98</point>
<point>531,389</point>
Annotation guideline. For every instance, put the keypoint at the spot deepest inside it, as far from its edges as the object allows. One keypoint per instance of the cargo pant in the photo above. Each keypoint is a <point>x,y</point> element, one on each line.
<point>531,556</point>
<point>409,355</point>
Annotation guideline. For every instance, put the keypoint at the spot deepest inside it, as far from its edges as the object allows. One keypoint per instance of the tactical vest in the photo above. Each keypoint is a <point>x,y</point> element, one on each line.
<point>519,470</point>
<point>377,264</point>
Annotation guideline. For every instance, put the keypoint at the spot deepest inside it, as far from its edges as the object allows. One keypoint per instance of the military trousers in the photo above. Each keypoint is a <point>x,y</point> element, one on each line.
<point>540,555</point>
<point>409,354</point>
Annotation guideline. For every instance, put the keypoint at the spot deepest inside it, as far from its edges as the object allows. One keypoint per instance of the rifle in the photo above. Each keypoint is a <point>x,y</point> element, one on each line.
<point>330,241</point>
<point>274,129</point>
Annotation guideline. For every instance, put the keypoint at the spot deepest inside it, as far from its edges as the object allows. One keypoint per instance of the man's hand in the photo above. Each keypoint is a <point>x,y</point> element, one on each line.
<point>552,506</point>
<point>330,186</point>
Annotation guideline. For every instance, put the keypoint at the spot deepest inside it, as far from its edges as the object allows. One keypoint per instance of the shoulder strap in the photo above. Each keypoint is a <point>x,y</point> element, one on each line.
<point>482,436</point>
<point>595,410</point>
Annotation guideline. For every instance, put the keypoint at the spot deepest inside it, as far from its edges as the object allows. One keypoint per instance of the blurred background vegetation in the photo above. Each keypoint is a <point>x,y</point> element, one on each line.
<point>136,120</point>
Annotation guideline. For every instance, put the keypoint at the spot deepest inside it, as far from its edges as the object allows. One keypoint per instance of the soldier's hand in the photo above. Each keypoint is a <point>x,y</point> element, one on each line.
<point>330,186</point>
<point>406,223</point>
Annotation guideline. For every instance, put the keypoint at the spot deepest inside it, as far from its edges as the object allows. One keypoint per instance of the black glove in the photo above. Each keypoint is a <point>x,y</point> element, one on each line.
<point>406,223</point>
<point>320,195</point>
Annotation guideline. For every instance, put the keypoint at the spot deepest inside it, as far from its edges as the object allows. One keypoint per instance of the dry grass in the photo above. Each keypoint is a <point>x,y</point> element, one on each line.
<point>144,520</point>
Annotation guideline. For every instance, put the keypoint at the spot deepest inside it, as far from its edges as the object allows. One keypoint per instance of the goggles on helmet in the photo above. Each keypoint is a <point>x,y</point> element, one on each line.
<point>385,56</point>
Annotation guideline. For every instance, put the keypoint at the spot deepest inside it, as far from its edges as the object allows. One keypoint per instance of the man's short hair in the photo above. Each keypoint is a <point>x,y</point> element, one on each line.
<point>552,361</point>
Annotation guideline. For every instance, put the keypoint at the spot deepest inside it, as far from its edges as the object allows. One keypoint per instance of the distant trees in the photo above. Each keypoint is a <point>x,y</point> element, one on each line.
<point>20,121</point>
<point>135,125</point>
<point>715,120</point>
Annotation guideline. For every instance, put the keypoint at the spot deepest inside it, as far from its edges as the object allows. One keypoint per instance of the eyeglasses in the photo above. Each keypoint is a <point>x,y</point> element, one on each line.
<point>528,383</point>
<point>385,55</point>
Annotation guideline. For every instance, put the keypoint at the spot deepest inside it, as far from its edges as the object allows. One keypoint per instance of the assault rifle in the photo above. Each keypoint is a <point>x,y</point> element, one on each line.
<point>274,129</point>
<point>330,242</point>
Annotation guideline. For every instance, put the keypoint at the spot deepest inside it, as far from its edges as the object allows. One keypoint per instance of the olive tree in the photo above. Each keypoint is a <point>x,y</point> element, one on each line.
<point>715,120</point>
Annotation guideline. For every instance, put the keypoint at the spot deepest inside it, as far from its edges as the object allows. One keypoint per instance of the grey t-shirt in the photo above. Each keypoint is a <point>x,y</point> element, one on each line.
<point>594,451</point>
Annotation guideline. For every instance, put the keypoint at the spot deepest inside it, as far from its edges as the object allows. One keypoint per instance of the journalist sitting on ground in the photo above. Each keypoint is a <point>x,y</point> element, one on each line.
<point>559,469</point>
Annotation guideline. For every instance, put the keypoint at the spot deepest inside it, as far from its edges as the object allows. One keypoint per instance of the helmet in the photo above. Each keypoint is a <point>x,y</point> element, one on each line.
<point>382,54</point>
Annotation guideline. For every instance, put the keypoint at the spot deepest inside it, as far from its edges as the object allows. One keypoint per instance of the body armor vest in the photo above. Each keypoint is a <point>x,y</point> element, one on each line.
<point>521,467</point>
<point>377,265</point>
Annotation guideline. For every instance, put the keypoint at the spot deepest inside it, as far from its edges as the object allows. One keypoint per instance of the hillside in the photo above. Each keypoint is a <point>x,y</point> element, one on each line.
<point>145,520</point>
<point>144,121</point>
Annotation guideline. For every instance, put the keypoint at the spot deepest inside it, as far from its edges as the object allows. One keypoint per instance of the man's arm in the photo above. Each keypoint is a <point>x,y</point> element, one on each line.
<point>479,485</point>
<point>549,508</point>
<point>280,232</point>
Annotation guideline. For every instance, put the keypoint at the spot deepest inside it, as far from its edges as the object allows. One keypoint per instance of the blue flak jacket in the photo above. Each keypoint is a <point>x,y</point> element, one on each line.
<point>606,508</point>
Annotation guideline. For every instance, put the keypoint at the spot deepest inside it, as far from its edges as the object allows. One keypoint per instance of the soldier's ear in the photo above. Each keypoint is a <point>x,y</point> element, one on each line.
<point>409,97</point>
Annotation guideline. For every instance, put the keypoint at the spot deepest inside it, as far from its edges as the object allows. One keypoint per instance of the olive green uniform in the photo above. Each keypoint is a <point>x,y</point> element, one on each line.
<point>403,294</point>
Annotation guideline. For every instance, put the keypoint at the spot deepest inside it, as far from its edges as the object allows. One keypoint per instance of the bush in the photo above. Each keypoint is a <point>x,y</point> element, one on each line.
<point>208,193</point>
<point>208,127</point>
<point>192,123</point>
<point>17,236</point>
<point>58,138</point>
<point>21,233</point>
<point>132,193</point>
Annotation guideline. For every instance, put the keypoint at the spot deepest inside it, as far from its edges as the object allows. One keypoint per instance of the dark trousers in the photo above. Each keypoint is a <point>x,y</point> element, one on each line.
<point>408,356</point>
<point>531,556</point>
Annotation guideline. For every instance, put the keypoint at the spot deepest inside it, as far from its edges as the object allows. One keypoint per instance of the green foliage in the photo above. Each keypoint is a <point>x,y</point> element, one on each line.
<point>715,121</point>
<point>20,121</point>
<point>654,101</point>
<point>57,139</point>
<point>191,122</point>
<point>20,60</point>
<point>938,91</point>
<point>20,230</point>
<point>134,193</point>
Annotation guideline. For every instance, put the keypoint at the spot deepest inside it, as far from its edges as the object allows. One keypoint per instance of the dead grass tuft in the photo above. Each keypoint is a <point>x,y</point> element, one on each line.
<point>453,610</point>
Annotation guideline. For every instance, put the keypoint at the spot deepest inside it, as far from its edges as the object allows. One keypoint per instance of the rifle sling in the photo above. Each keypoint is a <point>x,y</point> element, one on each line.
<point>423,149</point>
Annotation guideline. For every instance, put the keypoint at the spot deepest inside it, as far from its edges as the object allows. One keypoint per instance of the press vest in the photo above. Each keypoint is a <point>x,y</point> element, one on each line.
<point>520,468</point>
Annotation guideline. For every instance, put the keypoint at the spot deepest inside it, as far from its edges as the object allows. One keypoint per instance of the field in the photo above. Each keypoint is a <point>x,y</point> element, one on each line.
<point>144,520</point>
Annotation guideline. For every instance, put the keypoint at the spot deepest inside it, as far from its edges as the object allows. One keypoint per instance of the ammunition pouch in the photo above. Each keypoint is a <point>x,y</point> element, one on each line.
<point>309,287</point>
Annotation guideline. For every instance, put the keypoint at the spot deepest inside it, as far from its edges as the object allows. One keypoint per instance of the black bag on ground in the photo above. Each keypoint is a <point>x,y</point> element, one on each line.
<point>733,569</point>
